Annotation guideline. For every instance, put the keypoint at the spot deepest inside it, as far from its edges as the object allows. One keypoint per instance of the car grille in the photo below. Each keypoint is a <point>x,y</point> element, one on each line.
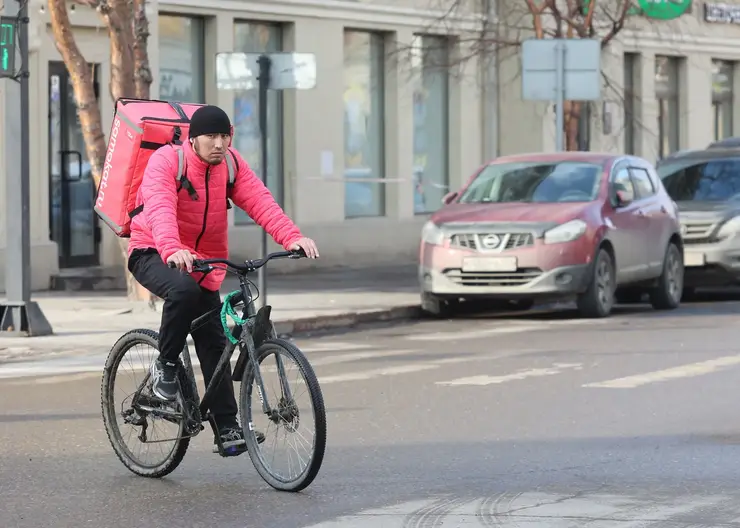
<point>493,278</point>
<point>697,232</point>
<point>507,240</point>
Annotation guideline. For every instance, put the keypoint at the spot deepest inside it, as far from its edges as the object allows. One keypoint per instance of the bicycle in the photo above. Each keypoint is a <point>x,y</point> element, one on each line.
<point>255,336</point>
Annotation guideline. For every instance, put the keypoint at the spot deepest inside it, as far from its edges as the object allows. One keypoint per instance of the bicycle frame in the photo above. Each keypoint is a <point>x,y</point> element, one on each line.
<point>256,329</point>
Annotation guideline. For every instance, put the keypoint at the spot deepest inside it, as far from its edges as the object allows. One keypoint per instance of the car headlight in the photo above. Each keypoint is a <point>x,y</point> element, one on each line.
<point>729,228</point>
<point>566,232</point>
<point>432,234</point>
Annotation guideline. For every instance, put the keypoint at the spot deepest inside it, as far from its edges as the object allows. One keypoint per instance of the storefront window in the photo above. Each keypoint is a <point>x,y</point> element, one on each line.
<point>255,37</point>
<point>364,156</point>
<point>431,176</point>
<point>181,59</point>
<point>630,96</point>
<point>722,72</point>
<point>666,94</point>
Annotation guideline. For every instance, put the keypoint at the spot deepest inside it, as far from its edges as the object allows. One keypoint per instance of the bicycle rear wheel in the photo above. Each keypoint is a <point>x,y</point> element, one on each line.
<point>289,422</point>
<point>134,433</point>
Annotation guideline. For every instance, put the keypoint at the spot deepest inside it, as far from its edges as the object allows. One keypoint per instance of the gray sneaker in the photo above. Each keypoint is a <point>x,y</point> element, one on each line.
<point>164,379</point>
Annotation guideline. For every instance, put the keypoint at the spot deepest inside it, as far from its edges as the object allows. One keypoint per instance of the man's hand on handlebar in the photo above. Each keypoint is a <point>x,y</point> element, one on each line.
<point>307,245</point>
<point>182,260</point>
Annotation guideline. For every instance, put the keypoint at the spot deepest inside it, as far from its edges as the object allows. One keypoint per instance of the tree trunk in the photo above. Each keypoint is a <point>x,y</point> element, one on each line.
<point>118,17</point>
<point>142,70</point>
<point>82,85</point>
<point>572,121</point>
<point>122,84</point>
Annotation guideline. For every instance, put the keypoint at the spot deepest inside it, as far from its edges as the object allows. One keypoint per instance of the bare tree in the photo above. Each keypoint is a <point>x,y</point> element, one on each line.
<point>128,31</point>
<point>505,24</point>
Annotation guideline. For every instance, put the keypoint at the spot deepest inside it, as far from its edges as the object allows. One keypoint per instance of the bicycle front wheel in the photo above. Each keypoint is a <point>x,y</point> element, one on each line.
<point>297,420</point>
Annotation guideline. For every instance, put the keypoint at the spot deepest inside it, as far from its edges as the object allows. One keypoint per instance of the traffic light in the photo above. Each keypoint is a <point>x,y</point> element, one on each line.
<point>8,41</point>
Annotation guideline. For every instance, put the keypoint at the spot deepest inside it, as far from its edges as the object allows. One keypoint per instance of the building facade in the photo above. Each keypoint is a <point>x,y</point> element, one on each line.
<point>668,85</point>
<point>361,160</point>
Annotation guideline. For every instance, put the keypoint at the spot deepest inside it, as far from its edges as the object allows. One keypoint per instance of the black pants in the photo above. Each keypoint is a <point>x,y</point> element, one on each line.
<point>184,301</point>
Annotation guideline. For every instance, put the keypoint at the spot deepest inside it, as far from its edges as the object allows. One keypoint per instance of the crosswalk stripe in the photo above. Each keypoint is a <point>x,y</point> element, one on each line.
<point>410,368</point>
<point>473,334</point>
<point>683,371</point>
<point>514,509</point>
<point>531,373</point>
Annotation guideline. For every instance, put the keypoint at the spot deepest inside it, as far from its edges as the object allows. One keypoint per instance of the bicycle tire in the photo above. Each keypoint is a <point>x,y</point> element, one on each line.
<point>124,343</point>
<point>317,401</point>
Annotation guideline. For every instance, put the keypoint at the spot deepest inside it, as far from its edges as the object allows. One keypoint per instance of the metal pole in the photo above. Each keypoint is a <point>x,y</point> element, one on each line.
<point>19,316</point>
<point>560,95</point>
<point>264,82</point>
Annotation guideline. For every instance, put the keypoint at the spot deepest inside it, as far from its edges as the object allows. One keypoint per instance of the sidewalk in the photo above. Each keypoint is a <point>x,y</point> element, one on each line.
<point>90,323</point>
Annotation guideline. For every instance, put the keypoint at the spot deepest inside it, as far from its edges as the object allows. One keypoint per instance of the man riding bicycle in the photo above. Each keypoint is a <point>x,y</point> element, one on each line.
<point>184,221</point>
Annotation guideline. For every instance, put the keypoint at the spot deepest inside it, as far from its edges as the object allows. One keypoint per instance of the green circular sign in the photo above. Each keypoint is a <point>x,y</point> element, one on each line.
<point>663,9</point>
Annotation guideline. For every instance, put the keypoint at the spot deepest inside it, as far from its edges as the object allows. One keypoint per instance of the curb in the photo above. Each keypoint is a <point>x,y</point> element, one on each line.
<point>347,320</point>
<point>342,321</point>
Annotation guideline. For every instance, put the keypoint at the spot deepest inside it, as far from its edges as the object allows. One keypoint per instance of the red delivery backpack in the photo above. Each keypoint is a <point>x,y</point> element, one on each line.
<point>140,127</point>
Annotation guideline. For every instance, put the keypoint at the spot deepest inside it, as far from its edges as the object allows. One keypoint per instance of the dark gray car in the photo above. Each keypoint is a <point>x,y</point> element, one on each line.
<point>705,184</point>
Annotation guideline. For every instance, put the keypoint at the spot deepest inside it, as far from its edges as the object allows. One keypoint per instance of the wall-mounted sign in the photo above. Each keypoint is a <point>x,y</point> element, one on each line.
<point>663,9</point>
<point>722,13</point>
<point>657,9</point>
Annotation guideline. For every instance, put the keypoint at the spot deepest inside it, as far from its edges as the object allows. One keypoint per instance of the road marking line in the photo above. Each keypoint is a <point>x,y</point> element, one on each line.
<point>334,347</point>
<point>683,371</point>
<point>375,373</point>
<point>398,369</point>
<point>523,374</point>
<point>453,336</point>
<point>509,329</point>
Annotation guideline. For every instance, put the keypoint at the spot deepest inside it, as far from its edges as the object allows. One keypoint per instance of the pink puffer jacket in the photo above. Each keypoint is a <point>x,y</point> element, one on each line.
<point>172,220</point>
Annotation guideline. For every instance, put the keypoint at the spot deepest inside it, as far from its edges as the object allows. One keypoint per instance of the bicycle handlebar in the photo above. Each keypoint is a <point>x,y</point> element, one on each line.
<point>205,265</point>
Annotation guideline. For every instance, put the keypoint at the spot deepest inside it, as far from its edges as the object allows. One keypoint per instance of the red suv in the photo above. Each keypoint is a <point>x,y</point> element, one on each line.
<point>597,227</point>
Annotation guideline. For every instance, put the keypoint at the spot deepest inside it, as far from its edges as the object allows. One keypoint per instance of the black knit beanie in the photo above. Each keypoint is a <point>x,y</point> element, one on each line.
<point>209,120</point>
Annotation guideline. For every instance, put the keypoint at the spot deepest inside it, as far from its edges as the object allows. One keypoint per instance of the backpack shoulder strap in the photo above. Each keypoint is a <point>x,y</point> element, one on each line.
<point>232,166</point>
<point>180,164</point>
<point>181,177</point>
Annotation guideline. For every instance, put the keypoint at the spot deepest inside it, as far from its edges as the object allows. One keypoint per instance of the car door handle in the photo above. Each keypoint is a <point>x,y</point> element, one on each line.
<point>640,213</point>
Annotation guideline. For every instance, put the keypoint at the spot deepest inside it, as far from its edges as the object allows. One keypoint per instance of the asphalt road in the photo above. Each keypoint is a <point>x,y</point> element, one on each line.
<point>536,420</point>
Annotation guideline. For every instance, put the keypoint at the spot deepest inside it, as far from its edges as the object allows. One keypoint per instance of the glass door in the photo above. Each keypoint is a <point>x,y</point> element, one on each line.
<point>73,224</point>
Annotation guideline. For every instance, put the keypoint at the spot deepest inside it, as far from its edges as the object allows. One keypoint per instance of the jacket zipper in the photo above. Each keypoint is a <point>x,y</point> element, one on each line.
<point>205,213</point>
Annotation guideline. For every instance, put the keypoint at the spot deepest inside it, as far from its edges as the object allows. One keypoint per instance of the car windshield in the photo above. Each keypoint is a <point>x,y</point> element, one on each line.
<point>701,180</point>
<point>535,182</point>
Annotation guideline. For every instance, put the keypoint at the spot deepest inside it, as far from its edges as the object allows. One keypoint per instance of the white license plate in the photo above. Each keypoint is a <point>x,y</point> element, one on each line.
<point>489,264</point>
<point>693,258</point>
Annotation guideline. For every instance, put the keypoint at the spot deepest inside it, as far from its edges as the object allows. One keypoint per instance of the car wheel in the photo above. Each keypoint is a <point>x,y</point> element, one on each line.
<point>667,294</point>
<point>598,299</point>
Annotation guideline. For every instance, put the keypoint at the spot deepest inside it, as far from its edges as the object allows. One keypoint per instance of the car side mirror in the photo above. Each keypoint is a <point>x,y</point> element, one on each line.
<point>623,198</point>
<point>449,197</point>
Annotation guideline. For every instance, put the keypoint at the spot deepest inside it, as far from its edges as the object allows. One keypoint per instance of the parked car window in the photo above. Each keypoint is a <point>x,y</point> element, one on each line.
<point>535,182</point>
<point>622,182</point>
<point>643,185</point>
<point>702,180</point>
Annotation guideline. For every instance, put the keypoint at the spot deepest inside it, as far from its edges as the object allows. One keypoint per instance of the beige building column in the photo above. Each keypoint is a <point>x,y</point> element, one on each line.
<point>400,78</point>
<point>646,108</point>
<point>695,101</point>
<point>466,118</point>
<point>317,119</point>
